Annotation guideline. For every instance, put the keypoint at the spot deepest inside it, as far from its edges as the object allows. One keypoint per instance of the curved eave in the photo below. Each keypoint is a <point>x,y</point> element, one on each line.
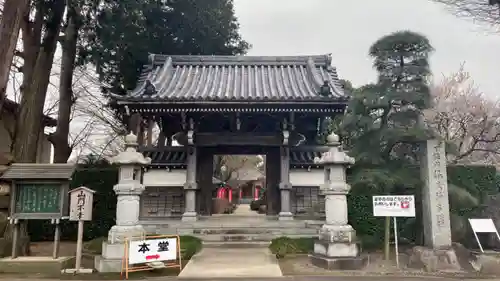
<point>178,79</point>
<point>184,167</point>
<point>306,167</point>
<point>166,166</point>
<point>153,101</point>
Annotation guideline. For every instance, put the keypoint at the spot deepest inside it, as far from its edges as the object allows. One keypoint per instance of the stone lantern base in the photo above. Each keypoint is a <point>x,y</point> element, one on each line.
<point>337,249</point>
<point>352,263</point>
<point>113,250</point>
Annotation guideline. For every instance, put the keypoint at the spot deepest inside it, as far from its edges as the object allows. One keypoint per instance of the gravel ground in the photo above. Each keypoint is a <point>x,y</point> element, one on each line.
<point>377,266</point>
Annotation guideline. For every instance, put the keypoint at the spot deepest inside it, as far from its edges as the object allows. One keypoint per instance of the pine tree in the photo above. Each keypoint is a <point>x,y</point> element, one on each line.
<point>382,123</point>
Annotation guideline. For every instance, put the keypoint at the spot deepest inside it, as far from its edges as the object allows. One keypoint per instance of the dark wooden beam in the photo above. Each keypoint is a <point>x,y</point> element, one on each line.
<point>209,139</point>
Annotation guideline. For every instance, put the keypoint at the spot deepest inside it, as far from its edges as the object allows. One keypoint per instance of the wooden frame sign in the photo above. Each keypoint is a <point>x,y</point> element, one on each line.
<point>151,252</point>
<point>39,191</point>
<point>38,200</point>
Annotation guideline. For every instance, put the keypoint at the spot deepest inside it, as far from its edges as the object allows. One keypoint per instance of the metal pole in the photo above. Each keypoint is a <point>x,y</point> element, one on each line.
<point>79,243</point>
<point>396,247</point>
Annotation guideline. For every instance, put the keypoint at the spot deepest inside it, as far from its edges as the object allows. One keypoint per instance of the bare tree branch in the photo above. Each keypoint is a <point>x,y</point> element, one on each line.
<point>94,129</point>
<point>465,118</point>
<point>486,11</point>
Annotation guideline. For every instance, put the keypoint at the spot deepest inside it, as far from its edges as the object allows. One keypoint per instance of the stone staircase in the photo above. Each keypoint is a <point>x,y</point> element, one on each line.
<point>239,231</point>
<point>254,236</point>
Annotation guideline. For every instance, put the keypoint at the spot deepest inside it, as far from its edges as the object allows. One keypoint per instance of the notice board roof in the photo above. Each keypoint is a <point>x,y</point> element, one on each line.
<point>32,171</point>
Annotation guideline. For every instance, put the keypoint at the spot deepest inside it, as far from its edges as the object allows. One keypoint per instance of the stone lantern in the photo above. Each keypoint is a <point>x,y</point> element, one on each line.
<point>337,246</point>
<point>128,191</point>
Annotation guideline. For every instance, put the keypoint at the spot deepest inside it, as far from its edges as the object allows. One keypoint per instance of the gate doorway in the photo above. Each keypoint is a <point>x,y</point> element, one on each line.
<point>240,178</point>
<point>238,175</point>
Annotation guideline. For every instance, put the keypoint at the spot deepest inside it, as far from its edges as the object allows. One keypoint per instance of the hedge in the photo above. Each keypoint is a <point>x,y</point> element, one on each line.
<point>479,180</point>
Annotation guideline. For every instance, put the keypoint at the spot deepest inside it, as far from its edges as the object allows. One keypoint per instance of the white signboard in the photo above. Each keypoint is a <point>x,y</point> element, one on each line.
<point>483,225</point>
<point>144,251</point>
<point>394,206</point>
<point>80,208</point>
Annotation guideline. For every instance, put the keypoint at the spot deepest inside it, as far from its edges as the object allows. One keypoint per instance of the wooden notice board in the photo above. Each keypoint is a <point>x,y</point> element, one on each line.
<point>38,198</point>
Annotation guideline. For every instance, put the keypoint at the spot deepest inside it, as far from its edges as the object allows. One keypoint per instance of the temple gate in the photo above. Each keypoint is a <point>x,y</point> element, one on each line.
<point>208,105</point>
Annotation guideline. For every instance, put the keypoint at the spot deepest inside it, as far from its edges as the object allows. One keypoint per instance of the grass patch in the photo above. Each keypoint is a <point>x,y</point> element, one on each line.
<point>190,245</point>
<point>94,246</point>
<point>284,246</point>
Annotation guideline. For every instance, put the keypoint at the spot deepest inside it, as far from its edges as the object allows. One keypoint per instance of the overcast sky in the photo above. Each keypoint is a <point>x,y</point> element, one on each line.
<point>347,28</point>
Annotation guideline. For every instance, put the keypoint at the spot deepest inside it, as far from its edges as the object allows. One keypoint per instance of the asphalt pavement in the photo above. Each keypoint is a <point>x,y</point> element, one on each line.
<point>330,278</point>
<point>291,278</point>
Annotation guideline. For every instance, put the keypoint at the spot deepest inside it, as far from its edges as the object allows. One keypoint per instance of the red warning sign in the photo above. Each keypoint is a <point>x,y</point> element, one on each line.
<point>405,205</point>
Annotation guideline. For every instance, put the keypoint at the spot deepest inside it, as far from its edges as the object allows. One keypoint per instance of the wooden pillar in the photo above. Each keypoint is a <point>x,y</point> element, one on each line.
<point>151,124</point>
<point>273,176</point>
<point>134,123</point>
<point>161,139</point>
<point>204,174</point>
<point>140,135</point>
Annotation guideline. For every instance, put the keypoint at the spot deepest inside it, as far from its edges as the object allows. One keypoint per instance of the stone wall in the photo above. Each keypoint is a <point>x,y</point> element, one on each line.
<point>307,201</point>
<point>162,202</point>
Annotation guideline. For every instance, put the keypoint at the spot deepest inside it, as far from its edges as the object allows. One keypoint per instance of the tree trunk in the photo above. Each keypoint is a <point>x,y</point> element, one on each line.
<point>29,126</point>
<point>62,148</point>
<point>9,33</point>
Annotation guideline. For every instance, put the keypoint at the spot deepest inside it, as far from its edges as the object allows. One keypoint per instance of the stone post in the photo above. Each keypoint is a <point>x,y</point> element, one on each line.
<point>439,253</point>
<point>436,207</point>
<point>336,247</point>
<point>285,185</point>
<point>128,191</point>
<point>190,187</point>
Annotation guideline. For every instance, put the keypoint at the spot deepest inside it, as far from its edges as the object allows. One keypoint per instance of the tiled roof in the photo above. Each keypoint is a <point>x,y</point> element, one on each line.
<point>304,156</point>
<point>30,171</point>
<point>175,157</point>
<point>237,78</point>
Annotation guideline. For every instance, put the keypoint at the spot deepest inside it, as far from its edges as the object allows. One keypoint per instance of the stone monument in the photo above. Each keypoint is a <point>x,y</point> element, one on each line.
<point>128,191</point>
<point>436,207</point>
<point>439,252</point>
<point>337,246</point>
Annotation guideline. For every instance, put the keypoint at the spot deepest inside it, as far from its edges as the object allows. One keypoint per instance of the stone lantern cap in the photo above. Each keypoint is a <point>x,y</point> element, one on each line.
<point>130,155</point>
<point>334,155</point>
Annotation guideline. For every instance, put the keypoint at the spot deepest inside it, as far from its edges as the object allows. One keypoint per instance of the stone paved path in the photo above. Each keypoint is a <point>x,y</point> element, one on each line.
<point>243,210</point>
<point>238,262</point>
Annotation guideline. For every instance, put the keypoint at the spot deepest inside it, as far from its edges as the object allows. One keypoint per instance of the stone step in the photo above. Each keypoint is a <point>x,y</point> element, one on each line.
<point>236,245</point>
<point>285,231</point>
<point>276,231</point>
<point>245,238</point>
<point>233,222</point>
